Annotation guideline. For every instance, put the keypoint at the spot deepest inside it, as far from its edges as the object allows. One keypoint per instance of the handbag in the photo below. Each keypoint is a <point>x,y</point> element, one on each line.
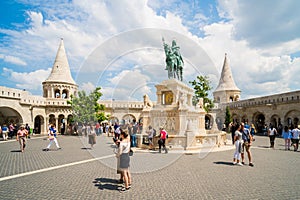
<point>130,152</point>
<point>160,142</point>
<point>51,137</point>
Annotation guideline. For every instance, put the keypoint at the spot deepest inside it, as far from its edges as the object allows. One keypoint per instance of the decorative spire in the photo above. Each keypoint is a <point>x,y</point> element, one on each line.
<point>61,70</point>
<point>226,81</point>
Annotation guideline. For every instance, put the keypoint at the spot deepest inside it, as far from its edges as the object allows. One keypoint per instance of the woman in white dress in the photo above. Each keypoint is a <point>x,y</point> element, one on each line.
<point>238,146</point>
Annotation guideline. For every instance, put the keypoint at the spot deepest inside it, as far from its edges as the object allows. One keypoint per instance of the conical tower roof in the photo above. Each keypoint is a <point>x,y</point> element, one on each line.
<point>226,81</point>
<point>61,70</point>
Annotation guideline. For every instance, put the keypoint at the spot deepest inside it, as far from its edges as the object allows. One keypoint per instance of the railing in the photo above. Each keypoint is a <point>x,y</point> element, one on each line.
<point>289,97</point>
<point>122,104</point>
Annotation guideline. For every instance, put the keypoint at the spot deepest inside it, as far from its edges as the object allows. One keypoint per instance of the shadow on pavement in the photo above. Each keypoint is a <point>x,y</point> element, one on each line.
<point>223,163</point>
<point>86,148</point>
<point>14,151</point>
<point>266,147</point>
<point>156,152</point>
<point>106,183</point>
<point>46,150</point>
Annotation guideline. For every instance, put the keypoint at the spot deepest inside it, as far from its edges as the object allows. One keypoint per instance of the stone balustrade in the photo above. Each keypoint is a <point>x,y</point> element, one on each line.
<point>122,104</point>
<point>178,142</point>
<point>31,100</point>
<point>26,98</point>
<point>12,93</point>
<point>283,98</point>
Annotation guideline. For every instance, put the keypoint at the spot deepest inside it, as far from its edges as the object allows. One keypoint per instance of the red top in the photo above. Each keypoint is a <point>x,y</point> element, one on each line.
<point>163,134</point>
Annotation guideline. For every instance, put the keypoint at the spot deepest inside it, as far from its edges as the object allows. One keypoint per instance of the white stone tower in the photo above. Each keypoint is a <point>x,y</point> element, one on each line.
<point>60,83</point>
<point>226,91</point>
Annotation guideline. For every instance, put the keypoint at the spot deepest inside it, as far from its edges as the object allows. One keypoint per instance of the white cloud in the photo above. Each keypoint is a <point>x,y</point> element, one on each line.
<point>108,38</point>
<point>27,80</point>
<point>13,60</point>
<point>264,24</point>
<point>255,72</point>
<point>87,87</point>
<point>130,84</point>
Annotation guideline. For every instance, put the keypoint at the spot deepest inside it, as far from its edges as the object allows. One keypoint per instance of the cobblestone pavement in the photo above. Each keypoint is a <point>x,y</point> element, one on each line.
<point>77,172</point>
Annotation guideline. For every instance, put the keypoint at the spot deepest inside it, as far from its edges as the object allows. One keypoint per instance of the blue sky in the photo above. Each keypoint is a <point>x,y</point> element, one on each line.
<point>117,44</point>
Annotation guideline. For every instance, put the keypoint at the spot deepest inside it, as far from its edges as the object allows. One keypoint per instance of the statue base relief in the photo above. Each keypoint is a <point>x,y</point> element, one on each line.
<point>183,121</point>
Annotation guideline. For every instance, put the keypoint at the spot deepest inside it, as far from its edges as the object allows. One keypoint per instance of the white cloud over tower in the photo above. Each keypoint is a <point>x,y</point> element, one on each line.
<point>260,46</point>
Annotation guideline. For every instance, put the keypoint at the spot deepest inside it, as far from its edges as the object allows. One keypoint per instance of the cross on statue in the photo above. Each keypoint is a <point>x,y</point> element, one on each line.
<point>174,61</point>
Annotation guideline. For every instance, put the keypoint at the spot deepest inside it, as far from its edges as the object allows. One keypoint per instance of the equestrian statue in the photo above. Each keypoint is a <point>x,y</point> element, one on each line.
<point>174,61</point>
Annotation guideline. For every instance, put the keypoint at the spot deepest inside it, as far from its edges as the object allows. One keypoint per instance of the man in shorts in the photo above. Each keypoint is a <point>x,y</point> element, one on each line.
<point>247,142</point>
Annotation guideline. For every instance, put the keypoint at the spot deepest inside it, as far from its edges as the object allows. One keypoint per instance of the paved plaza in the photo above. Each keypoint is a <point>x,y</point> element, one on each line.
<point>78,172</point>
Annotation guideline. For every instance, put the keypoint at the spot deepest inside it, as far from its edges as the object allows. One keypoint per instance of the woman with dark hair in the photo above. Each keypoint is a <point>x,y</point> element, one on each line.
<point>232,129</point>
<point>123,153</point>
<point>238,145</point>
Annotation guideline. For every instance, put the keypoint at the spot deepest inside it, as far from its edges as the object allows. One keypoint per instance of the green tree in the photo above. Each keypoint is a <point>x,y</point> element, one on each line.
<point>202,87</point>
<point>228,119</point>
<point>86,107</point>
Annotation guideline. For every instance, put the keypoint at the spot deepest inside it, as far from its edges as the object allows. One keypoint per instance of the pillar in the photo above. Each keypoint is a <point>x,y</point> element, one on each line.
<point>182,121</point>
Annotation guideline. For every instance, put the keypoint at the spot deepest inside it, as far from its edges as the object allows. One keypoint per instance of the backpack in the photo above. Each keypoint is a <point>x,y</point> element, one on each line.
<point>246,135</point>
<point>154,132</point>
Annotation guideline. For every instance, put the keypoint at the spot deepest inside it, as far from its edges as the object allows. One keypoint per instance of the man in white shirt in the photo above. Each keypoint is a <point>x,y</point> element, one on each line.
<point>295,138</point>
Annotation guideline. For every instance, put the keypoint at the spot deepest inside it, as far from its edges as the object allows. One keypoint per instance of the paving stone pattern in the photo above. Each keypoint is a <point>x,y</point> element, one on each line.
<point>155,176</point>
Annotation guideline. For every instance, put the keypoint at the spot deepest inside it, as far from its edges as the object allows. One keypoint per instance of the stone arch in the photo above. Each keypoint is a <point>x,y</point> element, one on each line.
<point>52,119</point>
<point>61,124</point>
<point>113,120</point>
<point>69,125</point>
<point>209,121</point>
<point>235,117</point>
<point>57,93</point>
<point>39,124</point>
<point>292,118</point>
<point>9,115</point>
<point>259,122</point>
<point>65,94</point>
<point>274,120</point>
<point>128,118</point>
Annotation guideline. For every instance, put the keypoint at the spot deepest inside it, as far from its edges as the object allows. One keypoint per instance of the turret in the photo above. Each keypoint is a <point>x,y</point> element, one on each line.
<point>60,83</point>
<point>226,91</point>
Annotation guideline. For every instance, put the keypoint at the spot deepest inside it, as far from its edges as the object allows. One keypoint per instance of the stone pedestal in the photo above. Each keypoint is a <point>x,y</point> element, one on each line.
<point>184,122</point>
<point>190,137</point>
